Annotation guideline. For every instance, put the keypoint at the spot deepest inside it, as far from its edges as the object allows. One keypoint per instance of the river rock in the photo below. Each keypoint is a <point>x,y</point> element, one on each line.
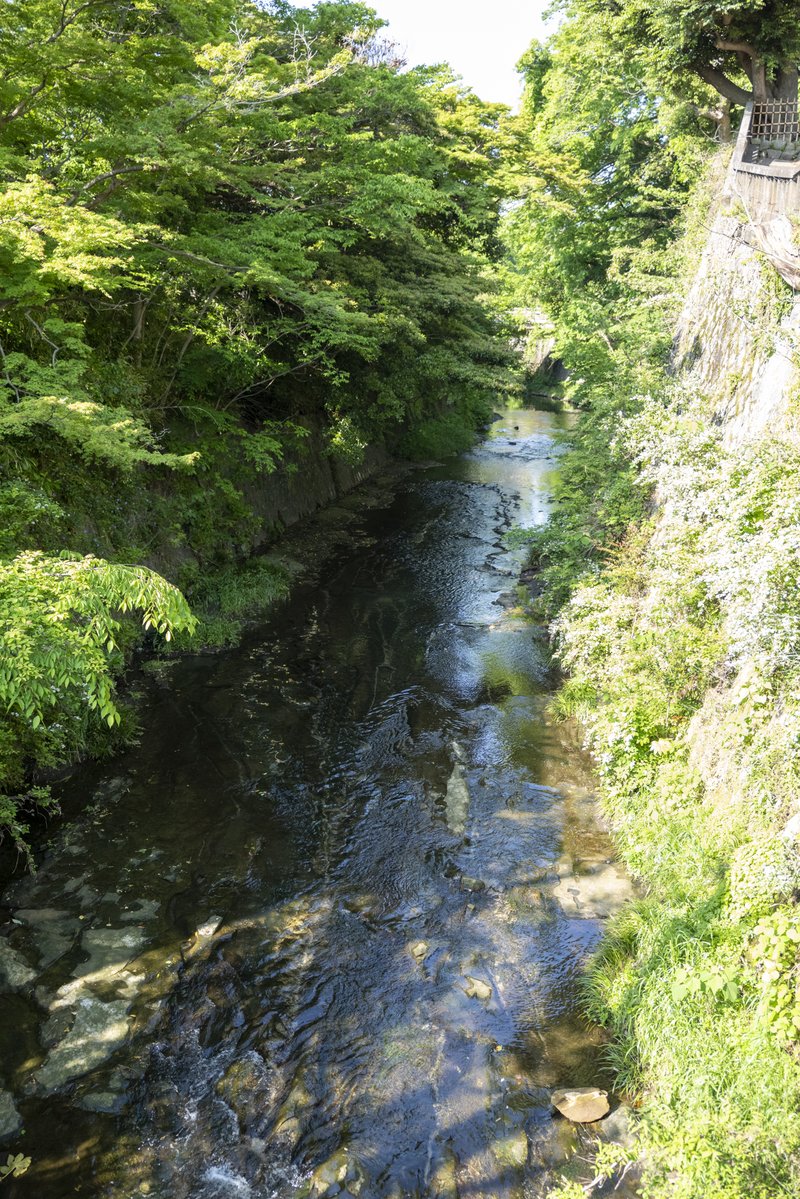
<point>618,1127</point>
<point>53,931</point>
<point>98,1031</point>
<point>339,1175</point>
<point>582,1105</point>
<point>103,1102</point>
<point>472,884</point>
<point>243,1087</point>
<point>512,1149</point>
<point>15,972</point>
<point>457,801</point>
<point>477,989</point>
<point>444,1178</point>
<point>109,950</point>
<point>203,937</point>
<point>600,892</point>
<point>144,909</point>
<point>10,1119</point>
<point>419,950</point>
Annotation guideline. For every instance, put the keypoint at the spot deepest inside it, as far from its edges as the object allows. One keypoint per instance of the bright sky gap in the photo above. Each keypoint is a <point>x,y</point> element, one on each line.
<point>482,43</point>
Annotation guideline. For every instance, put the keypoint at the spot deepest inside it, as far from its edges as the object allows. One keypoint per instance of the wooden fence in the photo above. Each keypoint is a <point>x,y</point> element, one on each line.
<point>765,179</point>
<point>766,161</point>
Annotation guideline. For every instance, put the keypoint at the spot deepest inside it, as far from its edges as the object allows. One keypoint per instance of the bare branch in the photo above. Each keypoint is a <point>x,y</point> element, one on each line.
<point>113,174</point>
<point>55,348</point>
<point>12,386</point>
<point>738,48</point>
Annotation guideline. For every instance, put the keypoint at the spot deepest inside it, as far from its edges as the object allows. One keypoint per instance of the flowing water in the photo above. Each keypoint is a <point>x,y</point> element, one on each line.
<point>320,932</point>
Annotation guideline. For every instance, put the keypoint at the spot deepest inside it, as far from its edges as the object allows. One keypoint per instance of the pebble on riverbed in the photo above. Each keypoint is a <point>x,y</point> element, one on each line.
<point>477,989</point>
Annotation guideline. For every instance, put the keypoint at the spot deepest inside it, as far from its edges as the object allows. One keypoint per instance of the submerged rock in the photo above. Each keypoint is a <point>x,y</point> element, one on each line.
<point>10,1119</point>
<point>103,1102</point>
<point>243,1087</point>
<point>457,801</point>
<point>419,951</point>
<point>98,1031</point>
<point>339,1175</point>
<point>472,884</point>
<point>582,1105</point>
<point>477,989</point>
<point>444,1178</point>
<point>110,950</point>
<point>512,1149</point>
<point>596,894</point>
<point>52,930</point>
<point>15,972</point>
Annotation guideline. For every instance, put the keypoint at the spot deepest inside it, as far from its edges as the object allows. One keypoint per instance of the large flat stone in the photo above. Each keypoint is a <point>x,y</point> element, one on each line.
<point>110,950</point>
<point>98,1031</point>
<point>595,895</point>
<point>53,931</point>
<point>582,1105</point>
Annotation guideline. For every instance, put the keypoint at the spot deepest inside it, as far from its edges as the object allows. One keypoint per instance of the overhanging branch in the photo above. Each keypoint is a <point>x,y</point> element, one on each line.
<point>725,86</point>
<point>738,48</point>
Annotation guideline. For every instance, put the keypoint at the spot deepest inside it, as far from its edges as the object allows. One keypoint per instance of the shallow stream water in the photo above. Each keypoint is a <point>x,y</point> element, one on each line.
<point>321,932</point>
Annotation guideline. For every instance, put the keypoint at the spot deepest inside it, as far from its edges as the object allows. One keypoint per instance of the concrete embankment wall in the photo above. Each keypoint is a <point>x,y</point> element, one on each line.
<point>307,483</point>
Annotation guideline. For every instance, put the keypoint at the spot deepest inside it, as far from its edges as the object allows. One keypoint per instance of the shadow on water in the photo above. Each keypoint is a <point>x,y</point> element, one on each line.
<point>321,932</point>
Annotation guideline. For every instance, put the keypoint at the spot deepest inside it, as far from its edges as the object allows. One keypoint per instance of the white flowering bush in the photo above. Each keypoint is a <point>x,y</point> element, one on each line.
<point>763,873</point>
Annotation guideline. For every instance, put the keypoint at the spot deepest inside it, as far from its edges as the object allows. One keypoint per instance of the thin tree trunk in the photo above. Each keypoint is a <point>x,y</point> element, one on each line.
<point>724,122</point>
<point>139,306</point>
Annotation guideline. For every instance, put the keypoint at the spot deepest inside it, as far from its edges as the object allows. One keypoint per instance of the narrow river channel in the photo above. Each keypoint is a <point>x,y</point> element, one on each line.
<point>321,932</point>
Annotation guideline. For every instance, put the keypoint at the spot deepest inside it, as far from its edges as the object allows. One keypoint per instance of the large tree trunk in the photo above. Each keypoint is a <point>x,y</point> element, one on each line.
<point>780,84</point>
<point>784,85</point>
<point>761,90</point>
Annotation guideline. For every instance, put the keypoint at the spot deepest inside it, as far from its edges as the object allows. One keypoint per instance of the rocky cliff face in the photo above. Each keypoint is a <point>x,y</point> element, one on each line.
<point>738,345</point>
<point>738,338</point>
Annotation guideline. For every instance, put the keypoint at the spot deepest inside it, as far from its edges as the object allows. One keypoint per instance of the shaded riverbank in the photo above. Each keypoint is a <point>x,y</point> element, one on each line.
<point>330,915</point>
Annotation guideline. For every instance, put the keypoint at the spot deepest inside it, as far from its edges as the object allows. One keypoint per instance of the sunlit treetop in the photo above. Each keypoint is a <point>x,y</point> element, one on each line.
<point>746,49</point>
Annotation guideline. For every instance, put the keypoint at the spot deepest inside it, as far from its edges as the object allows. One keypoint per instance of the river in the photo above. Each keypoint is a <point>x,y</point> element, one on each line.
<point>321,931</point>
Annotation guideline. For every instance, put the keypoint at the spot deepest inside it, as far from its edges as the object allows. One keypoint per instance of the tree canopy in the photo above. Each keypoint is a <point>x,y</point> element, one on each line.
<point>748,49</point>
<point>237,200</point>
<point>221,224</point>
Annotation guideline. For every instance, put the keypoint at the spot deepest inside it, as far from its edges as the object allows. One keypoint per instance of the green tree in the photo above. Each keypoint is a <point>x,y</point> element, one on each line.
<point>748,49</point>
<point>603,169</point>
<point>221,224</point>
